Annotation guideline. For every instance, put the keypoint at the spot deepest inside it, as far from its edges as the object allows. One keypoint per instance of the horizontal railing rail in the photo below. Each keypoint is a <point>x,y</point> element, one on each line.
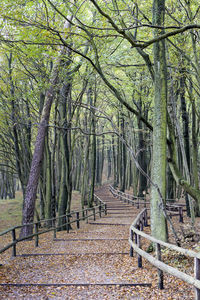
<point>173,209</point>
<point>136,233</point>
<point>53,225</point>
<point>131,199</point>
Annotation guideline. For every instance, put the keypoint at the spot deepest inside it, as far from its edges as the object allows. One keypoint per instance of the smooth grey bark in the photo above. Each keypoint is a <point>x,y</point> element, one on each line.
<point>114,160</point>
<point>65,147</point>
<point>93,150</point>
<point>48,181</point>
<point>109,161</point>
<point>158,221</point>
<point>123,156</point>
<point>142,161</point>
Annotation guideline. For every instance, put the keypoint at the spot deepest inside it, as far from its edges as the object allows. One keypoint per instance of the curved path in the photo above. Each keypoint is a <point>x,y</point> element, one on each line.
<point>90,263</point>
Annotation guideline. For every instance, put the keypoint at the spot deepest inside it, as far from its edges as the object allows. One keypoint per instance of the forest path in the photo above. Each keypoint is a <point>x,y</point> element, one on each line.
<point>90,263</point>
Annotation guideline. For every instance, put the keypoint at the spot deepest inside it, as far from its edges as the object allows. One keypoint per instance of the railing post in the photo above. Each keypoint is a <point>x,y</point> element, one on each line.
<point>131,238</point>
<point>146,219</point>
<point>86,215</point>
<point>14,241</point>
<point>54,225</point>
<point>68,220</point>
<point>94,213</point>
<point>77,220</point>
<point>138,204</point>
<point>197,276</point>
<point>139,246</point>
<point>160,273</point>
<point>180,214</point>
<point>105,209</point>
<point>141,225</point>
<point>136,236</point>
<point>100,210</point>
<point>36,237</point>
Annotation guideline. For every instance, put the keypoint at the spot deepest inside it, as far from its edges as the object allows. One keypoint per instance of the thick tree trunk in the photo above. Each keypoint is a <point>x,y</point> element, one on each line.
<point>65,146</point>
<point>93,151</point>
<point>195,158</point>
<point>31,190</point>
<point>185,122</point>
<point>142,161</point>
<point>109,162</point>
<point>114,160</point>
<point>158,222</point>
<point>123,157</point>
<point>48,182</point>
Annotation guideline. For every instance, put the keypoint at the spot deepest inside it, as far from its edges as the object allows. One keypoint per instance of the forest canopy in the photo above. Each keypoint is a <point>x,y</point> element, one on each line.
<point>99,90</point>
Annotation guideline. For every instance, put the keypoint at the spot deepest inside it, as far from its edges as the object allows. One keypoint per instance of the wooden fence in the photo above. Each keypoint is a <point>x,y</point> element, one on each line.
<point>52,224</point>
<point>173,209</point>
<point>136,233</point>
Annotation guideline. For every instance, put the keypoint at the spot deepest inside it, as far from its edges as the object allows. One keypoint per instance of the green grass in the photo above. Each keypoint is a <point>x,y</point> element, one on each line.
<point>11,210</point>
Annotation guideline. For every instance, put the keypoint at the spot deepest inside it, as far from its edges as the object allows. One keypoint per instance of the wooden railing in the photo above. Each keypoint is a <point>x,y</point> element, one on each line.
<point>173,209</point>
<point>131,199</point>
<point>53,224</point>
<point>136,233</point>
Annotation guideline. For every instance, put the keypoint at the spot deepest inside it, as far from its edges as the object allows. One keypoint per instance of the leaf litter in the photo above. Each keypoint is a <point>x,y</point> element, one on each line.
<point>89,261</point>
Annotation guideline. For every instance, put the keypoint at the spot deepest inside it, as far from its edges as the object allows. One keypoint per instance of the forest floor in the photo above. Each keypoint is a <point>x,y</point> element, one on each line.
<point>98,255</point>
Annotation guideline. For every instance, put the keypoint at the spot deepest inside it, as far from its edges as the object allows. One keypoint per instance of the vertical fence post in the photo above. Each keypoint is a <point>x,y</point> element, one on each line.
<point>14,241</point>
<point>54,225</point>
<point>146,219</point>
<point>180,214</point>
<point>197,276</point>
<point>36,237</point>
<point>131,238</point>
<point>100,210</point>
<point>68,220</point>
<point>105,209</point>
<point>141,224</point>
<point>86,215</point>
<point>139,246</point>
<point>94,213</point>
<point>160,273</point>
<point>138,204</point>
<point>77,220</point>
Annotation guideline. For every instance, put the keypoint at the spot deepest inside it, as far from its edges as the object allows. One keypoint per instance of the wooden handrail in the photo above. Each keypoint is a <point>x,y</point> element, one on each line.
<point>136,232</point>
<point>95,210</point>
<point>136,229</point>
<point>173,209</point>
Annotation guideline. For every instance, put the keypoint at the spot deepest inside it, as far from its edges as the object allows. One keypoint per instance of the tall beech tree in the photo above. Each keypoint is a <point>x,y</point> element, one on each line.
<point>158,221</point>
<point>120,47</point>
<point>31,189</point>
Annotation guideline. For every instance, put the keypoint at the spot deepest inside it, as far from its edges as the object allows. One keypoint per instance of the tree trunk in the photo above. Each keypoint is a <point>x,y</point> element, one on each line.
<point>158,222</point>
<point>31,189</point>
<point>93,151</point>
